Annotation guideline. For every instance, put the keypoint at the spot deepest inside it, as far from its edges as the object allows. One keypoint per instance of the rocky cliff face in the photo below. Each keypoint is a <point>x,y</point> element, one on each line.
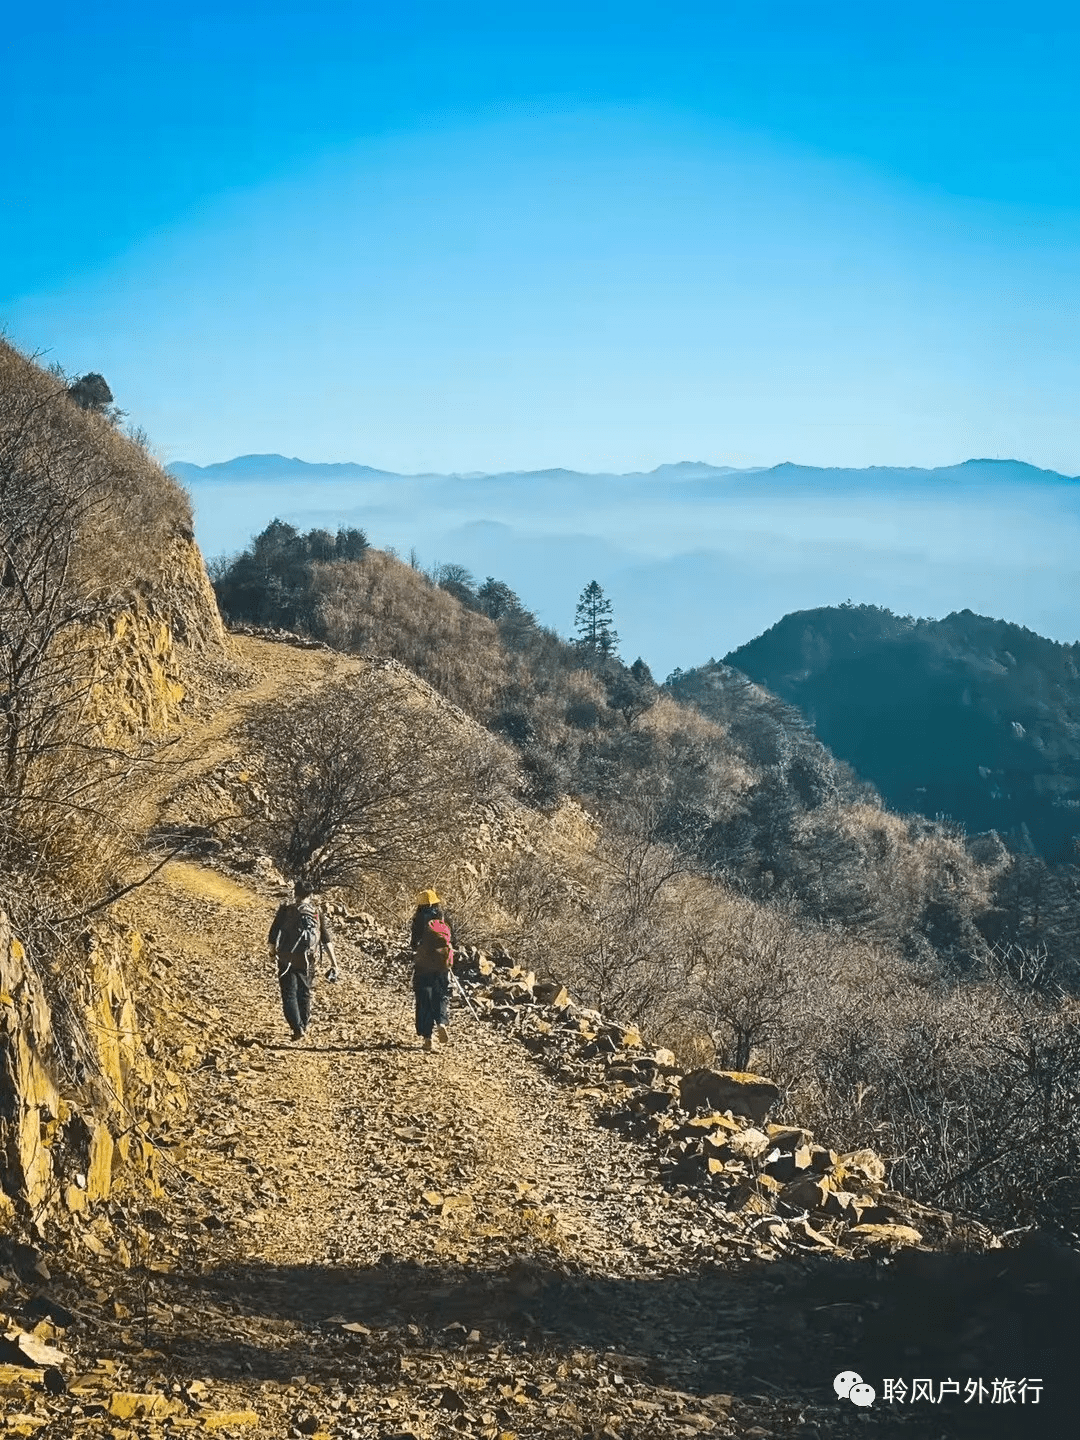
<point>82,1092</point>
<point>81,1095</point>
<point>143,653</point>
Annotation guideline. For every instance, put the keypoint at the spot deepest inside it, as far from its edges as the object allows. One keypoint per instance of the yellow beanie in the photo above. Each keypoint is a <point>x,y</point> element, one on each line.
<point>428,897</point>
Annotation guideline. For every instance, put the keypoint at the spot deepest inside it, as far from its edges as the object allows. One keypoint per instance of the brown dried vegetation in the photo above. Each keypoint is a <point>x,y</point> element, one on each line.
<point>89,526</point>
<point>366,778</point>
<point>750,902</point>
<point>86,519</point>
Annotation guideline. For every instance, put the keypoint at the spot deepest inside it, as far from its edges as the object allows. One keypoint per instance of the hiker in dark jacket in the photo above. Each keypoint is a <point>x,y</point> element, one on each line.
<point>299,932</point>
<point>433,955</point>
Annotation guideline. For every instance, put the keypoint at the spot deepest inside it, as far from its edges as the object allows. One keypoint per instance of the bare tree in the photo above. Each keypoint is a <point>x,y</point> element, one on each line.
<point>743,979</point>
<point>631,950</point>
<point>367,775</point>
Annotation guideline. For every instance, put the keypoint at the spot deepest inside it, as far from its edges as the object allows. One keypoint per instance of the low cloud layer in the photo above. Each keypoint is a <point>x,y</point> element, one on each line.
<point>698,560</point>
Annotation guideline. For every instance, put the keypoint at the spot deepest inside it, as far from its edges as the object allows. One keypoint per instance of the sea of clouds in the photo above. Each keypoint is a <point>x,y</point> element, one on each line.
<point>696,559</point>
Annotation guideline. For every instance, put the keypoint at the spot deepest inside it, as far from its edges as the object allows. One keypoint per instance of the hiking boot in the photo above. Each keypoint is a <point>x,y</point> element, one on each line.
<point>442,1034</point>
<point>428,1045</point>
<point>298,1034</point>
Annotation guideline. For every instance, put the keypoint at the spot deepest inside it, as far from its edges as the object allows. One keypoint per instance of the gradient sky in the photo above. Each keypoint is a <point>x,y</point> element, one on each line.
<point>479,236</point>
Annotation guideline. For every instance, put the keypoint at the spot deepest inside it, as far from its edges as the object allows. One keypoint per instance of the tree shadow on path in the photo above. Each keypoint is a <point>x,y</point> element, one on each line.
<point>782,1330</point>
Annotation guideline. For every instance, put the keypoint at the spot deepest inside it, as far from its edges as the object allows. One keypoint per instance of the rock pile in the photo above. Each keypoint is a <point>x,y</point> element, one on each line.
<point>708,1129</point>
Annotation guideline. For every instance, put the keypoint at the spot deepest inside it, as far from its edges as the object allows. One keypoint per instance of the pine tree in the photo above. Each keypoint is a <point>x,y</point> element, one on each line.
<point>596,633</point>
<point>497,599</point>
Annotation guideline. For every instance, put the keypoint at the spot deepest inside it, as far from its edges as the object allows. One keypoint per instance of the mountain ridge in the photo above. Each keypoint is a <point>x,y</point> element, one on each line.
<point>274,466</point>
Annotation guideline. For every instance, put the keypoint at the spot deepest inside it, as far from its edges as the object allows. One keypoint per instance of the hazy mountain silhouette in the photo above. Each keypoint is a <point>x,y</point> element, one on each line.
<point>970,472</point>
<point>695,557</point>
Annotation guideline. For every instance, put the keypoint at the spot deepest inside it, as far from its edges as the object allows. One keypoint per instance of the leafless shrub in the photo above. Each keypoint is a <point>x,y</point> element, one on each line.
<point>532,905</point>
<point>83,513</point>
<point>641,917</point>
<point>971,1089</point>
<point>742,974</point>
<point>368,776</point>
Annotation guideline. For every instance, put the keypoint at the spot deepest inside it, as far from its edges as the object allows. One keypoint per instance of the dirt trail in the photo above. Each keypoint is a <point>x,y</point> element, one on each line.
<point>353,1175</point>
<point>362,1125</point>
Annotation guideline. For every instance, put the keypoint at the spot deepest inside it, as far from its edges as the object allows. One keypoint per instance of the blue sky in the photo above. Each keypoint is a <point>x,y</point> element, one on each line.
<point>478,236</point>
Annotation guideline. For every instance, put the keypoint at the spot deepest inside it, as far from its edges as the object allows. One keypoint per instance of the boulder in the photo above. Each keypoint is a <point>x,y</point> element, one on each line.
<point>886,1234</point>
<point>781,1165</point>
<point>653,1101</point>
<point>551,992</point>
<point>715,1143</point>
<point>788,1137</point>
<point>748,1144</point>
<point>707,1124</point>
<point>862,1171</point>
<point>822,1159</point>
<point>843,1205</point>
<point>142,1405</point>
<point>514,993</point>
<point>804,1233</point>
<point>748,1197</point>
<point>17,1347</point>
<point>737,1091</point>
<point>805,1194</point>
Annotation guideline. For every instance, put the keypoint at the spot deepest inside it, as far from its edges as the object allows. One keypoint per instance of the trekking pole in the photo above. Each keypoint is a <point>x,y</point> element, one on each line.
<point>458,987</point>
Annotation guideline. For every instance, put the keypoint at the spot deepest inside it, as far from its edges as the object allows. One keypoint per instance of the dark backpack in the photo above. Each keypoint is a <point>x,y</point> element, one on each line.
<point>301,931</point>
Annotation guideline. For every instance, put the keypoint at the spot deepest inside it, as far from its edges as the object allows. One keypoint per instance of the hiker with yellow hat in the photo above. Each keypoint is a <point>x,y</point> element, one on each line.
<point>433,956</point>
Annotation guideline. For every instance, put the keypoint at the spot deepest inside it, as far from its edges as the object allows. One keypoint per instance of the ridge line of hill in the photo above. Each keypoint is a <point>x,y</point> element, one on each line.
<point>272,465</point>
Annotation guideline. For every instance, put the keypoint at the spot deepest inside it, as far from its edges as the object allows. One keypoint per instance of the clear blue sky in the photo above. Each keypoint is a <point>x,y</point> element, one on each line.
<point>475,236</point>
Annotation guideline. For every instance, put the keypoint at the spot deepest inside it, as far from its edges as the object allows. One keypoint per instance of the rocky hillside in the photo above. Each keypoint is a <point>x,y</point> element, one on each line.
<point>560,1224</point>
<point>108,633</point>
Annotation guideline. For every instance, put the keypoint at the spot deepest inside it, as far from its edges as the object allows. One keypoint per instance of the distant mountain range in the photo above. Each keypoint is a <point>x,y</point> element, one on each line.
<point>965,716</point>
<point>970,717</point>
<point>969,472</point>
<point>695,557</point>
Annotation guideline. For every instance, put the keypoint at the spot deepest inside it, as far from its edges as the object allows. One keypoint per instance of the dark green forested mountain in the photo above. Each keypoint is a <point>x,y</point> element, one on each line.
<point>969,717</point>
